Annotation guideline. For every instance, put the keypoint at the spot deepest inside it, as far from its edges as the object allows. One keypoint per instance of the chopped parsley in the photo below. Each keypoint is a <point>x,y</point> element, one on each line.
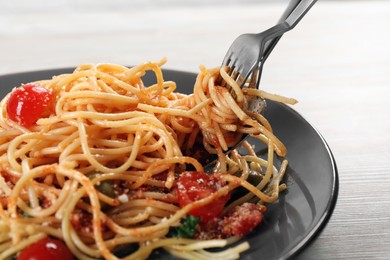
<point>105,187</point>
<point>187,228</point>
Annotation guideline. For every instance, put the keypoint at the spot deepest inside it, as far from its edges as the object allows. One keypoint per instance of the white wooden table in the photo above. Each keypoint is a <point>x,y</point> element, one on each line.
<point>336,63</point>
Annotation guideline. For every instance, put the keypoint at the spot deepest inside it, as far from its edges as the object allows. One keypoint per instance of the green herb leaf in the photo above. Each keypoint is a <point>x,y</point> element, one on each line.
<point>188,227</point>
<point>105,187</point>
<point>25,214</point>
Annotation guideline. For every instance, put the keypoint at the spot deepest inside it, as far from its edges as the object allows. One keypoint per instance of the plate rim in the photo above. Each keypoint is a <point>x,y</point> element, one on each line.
<point>332,202</point>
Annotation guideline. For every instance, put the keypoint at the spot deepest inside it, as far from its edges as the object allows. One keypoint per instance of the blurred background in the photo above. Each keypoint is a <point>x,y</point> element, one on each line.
<point>336,62</point>
<point>40,34</point>
<point>126,32</point>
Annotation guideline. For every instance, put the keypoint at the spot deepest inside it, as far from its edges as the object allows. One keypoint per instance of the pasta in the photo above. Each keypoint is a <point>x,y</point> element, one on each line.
<point>100,171</point>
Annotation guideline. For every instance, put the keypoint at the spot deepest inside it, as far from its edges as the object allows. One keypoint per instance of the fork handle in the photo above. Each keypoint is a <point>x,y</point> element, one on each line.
<point>291,6</point>
<point>300,9</point>
<point>294,12</point>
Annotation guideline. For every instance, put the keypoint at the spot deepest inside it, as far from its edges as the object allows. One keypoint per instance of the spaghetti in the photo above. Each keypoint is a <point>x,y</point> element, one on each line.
<point>101,170</point>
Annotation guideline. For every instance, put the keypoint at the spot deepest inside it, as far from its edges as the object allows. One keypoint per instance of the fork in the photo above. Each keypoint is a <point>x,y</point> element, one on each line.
<point>246,56</point>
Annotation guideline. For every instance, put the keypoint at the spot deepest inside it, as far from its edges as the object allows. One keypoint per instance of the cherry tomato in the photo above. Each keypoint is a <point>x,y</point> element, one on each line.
<point>46,248</point>
<point>28,103</point>
<point>193,186</point>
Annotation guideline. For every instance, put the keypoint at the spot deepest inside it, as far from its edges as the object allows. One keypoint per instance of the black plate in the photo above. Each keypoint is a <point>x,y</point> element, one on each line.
<point>303,210</point>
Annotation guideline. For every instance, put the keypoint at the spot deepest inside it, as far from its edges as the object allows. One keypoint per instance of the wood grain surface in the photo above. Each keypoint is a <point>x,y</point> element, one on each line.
<point>336,62</point>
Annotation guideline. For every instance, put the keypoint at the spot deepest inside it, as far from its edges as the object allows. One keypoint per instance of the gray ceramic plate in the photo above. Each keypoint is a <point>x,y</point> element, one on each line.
<point>303,210</point>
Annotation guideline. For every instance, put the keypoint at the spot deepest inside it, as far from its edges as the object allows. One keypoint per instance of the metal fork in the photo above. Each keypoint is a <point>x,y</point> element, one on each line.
<point>246,56</point>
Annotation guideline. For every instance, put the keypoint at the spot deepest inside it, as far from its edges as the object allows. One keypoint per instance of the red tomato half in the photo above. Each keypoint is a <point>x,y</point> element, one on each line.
<point>45,249</point>
<point>193,186</point>
<point>28,103</point>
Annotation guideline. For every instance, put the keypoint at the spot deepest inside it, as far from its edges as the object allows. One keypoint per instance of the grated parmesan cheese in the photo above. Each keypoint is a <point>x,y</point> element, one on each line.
<point>123,198</point>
